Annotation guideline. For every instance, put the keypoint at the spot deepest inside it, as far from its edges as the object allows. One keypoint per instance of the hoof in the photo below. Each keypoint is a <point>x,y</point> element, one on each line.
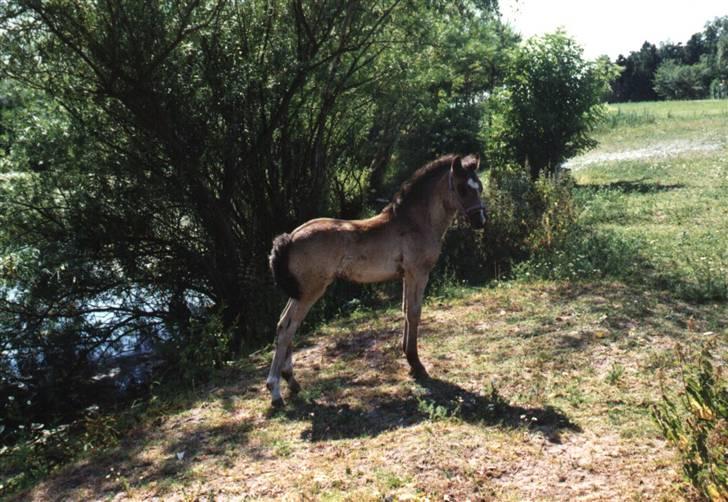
<point>293,386</point>
<point>277,404</point>
<point>419,372</point>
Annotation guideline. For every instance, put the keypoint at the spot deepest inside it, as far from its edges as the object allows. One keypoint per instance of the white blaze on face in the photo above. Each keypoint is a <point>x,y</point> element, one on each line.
<point>473,184</point>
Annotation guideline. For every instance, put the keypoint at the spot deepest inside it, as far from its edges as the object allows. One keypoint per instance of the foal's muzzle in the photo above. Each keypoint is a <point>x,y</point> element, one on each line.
<point>476,215</point>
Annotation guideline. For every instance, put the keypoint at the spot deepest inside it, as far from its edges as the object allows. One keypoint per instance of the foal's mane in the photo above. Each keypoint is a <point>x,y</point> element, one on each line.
<point>412,190</point>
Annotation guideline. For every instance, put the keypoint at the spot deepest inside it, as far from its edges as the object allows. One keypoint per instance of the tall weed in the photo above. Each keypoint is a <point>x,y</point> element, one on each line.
<point>696,423</point>
<point>622,118</point>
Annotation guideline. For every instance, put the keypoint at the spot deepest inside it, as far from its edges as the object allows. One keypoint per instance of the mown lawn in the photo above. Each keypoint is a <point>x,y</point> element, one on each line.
<point>540,389</point>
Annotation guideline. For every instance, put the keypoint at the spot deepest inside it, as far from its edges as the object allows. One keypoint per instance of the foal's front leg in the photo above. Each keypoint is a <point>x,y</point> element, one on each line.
<point>414,290</point>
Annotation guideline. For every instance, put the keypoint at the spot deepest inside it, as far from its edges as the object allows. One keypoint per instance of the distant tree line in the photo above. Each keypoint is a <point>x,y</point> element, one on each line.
<point>696,70</point>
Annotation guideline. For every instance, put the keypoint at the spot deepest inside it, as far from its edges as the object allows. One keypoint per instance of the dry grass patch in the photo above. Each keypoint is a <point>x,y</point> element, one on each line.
<point>537,393</point>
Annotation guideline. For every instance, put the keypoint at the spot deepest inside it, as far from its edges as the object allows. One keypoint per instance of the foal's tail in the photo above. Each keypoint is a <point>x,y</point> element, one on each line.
<point>279,266</point>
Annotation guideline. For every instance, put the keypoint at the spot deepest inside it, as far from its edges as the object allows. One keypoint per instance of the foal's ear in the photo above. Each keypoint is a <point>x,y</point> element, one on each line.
<point>457,166</point>
<point>475,166</point>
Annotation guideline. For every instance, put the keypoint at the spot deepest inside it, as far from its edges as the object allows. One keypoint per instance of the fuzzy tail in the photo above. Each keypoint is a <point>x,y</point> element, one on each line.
<point>279,266</point>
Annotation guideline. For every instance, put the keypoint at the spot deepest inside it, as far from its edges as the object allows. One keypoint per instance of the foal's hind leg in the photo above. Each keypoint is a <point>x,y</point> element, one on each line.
<point>284,335</point>
<point>287,371</point>
<point>282,364</point>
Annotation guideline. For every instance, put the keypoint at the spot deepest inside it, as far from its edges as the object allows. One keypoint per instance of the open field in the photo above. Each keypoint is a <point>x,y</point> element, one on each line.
<point>539,389</point>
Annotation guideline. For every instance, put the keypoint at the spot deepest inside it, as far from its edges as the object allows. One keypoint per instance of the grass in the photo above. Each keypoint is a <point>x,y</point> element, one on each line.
<point>541,387</point>
<point>637,125</point>
<point>534,390</point>
<point>656,214</point>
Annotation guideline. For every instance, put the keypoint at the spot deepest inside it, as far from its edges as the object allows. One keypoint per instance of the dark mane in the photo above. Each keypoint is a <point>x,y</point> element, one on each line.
<point>412,190</point>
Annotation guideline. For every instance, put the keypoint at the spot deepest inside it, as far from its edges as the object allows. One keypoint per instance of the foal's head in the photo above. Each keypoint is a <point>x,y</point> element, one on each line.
<point>466,189</point>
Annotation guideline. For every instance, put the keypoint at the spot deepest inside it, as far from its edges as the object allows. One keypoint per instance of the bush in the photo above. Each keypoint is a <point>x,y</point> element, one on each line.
<point>696,423</point>
<point>719,89</point>
<point>549,105</point>
<point>678,81</point>
<point>524,217</point>
<point>198,348</point>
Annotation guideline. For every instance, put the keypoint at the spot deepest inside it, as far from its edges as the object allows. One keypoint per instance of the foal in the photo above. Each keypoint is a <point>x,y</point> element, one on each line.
<point>402,242</point>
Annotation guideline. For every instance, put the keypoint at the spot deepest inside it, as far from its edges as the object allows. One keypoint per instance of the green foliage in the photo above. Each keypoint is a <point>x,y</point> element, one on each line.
<point>549,105</point>
<point>39,450</point>
<point>615,374</point>
<point>636,78</point>
<point>677,81</point>
<point>583,253</point>
<point>719,89</point>
<point>456,73</point>
<point>696,423</point>
<point>196,350</point>
<point>698,270</point>
<point>692,271</point>
<point>621,118</point>
<point>436,412</point>
<point>525,217</point>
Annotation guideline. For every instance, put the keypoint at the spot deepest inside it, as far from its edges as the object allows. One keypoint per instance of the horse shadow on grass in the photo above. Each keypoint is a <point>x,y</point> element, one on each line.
<point>432,400</point>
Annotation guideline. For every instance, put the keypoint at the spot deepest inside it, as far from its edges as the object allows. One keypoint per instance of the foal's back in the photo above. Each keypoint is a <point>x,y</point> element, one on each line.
<point>356,250</point>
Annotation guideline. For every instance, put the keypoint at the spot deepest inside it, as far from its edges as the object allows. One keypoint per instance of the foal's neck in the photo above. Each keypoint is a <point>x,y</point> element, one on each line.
<point>437,212</point>
<point>442,212</point>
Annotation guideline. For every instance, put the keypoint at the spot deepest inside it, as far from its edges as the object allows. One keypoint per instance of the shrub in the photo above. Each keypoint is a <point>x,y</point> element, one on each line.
<point>197,349</point>
<point>524,216</point>
<point>549,105</point>
<point>696,423</point>
<point>678,81</point>
<point>719,89</point>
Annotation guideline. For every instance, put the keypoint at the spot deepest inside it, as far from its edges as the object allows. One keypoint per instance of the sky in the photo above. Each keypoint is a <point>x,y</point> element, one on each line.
<point>613,27</point>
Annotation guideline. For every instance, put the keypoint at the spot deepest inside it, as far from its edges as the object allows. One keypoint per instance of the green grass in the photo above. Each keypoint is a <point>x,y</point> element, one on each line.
<point>635,125</point>
<point>657,215</point>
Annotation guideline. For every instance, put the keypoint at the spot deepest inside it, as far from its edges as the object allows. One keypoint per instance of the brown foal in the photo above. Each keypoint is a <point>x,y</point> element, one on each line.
<point>402,242</point>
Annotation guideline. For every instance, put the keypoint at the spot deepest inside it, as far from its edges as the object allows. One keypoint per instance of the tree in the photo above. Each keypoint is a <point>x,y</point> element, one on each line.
<point>668,50</point>
<point>550,103</point>
<point>678,81</point>
<point>694,68</point>
<point>694,49</point>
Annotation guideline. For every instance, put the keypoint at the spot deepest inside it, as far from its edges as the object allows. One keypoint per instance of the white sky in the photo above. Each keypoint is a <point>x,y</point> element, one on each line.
<point>616,26</point>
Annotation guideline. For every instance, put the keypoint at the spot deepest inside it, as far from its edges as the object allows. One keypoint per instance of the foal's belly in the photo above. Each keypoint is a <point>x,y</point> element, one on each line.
<point>369,267</point>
